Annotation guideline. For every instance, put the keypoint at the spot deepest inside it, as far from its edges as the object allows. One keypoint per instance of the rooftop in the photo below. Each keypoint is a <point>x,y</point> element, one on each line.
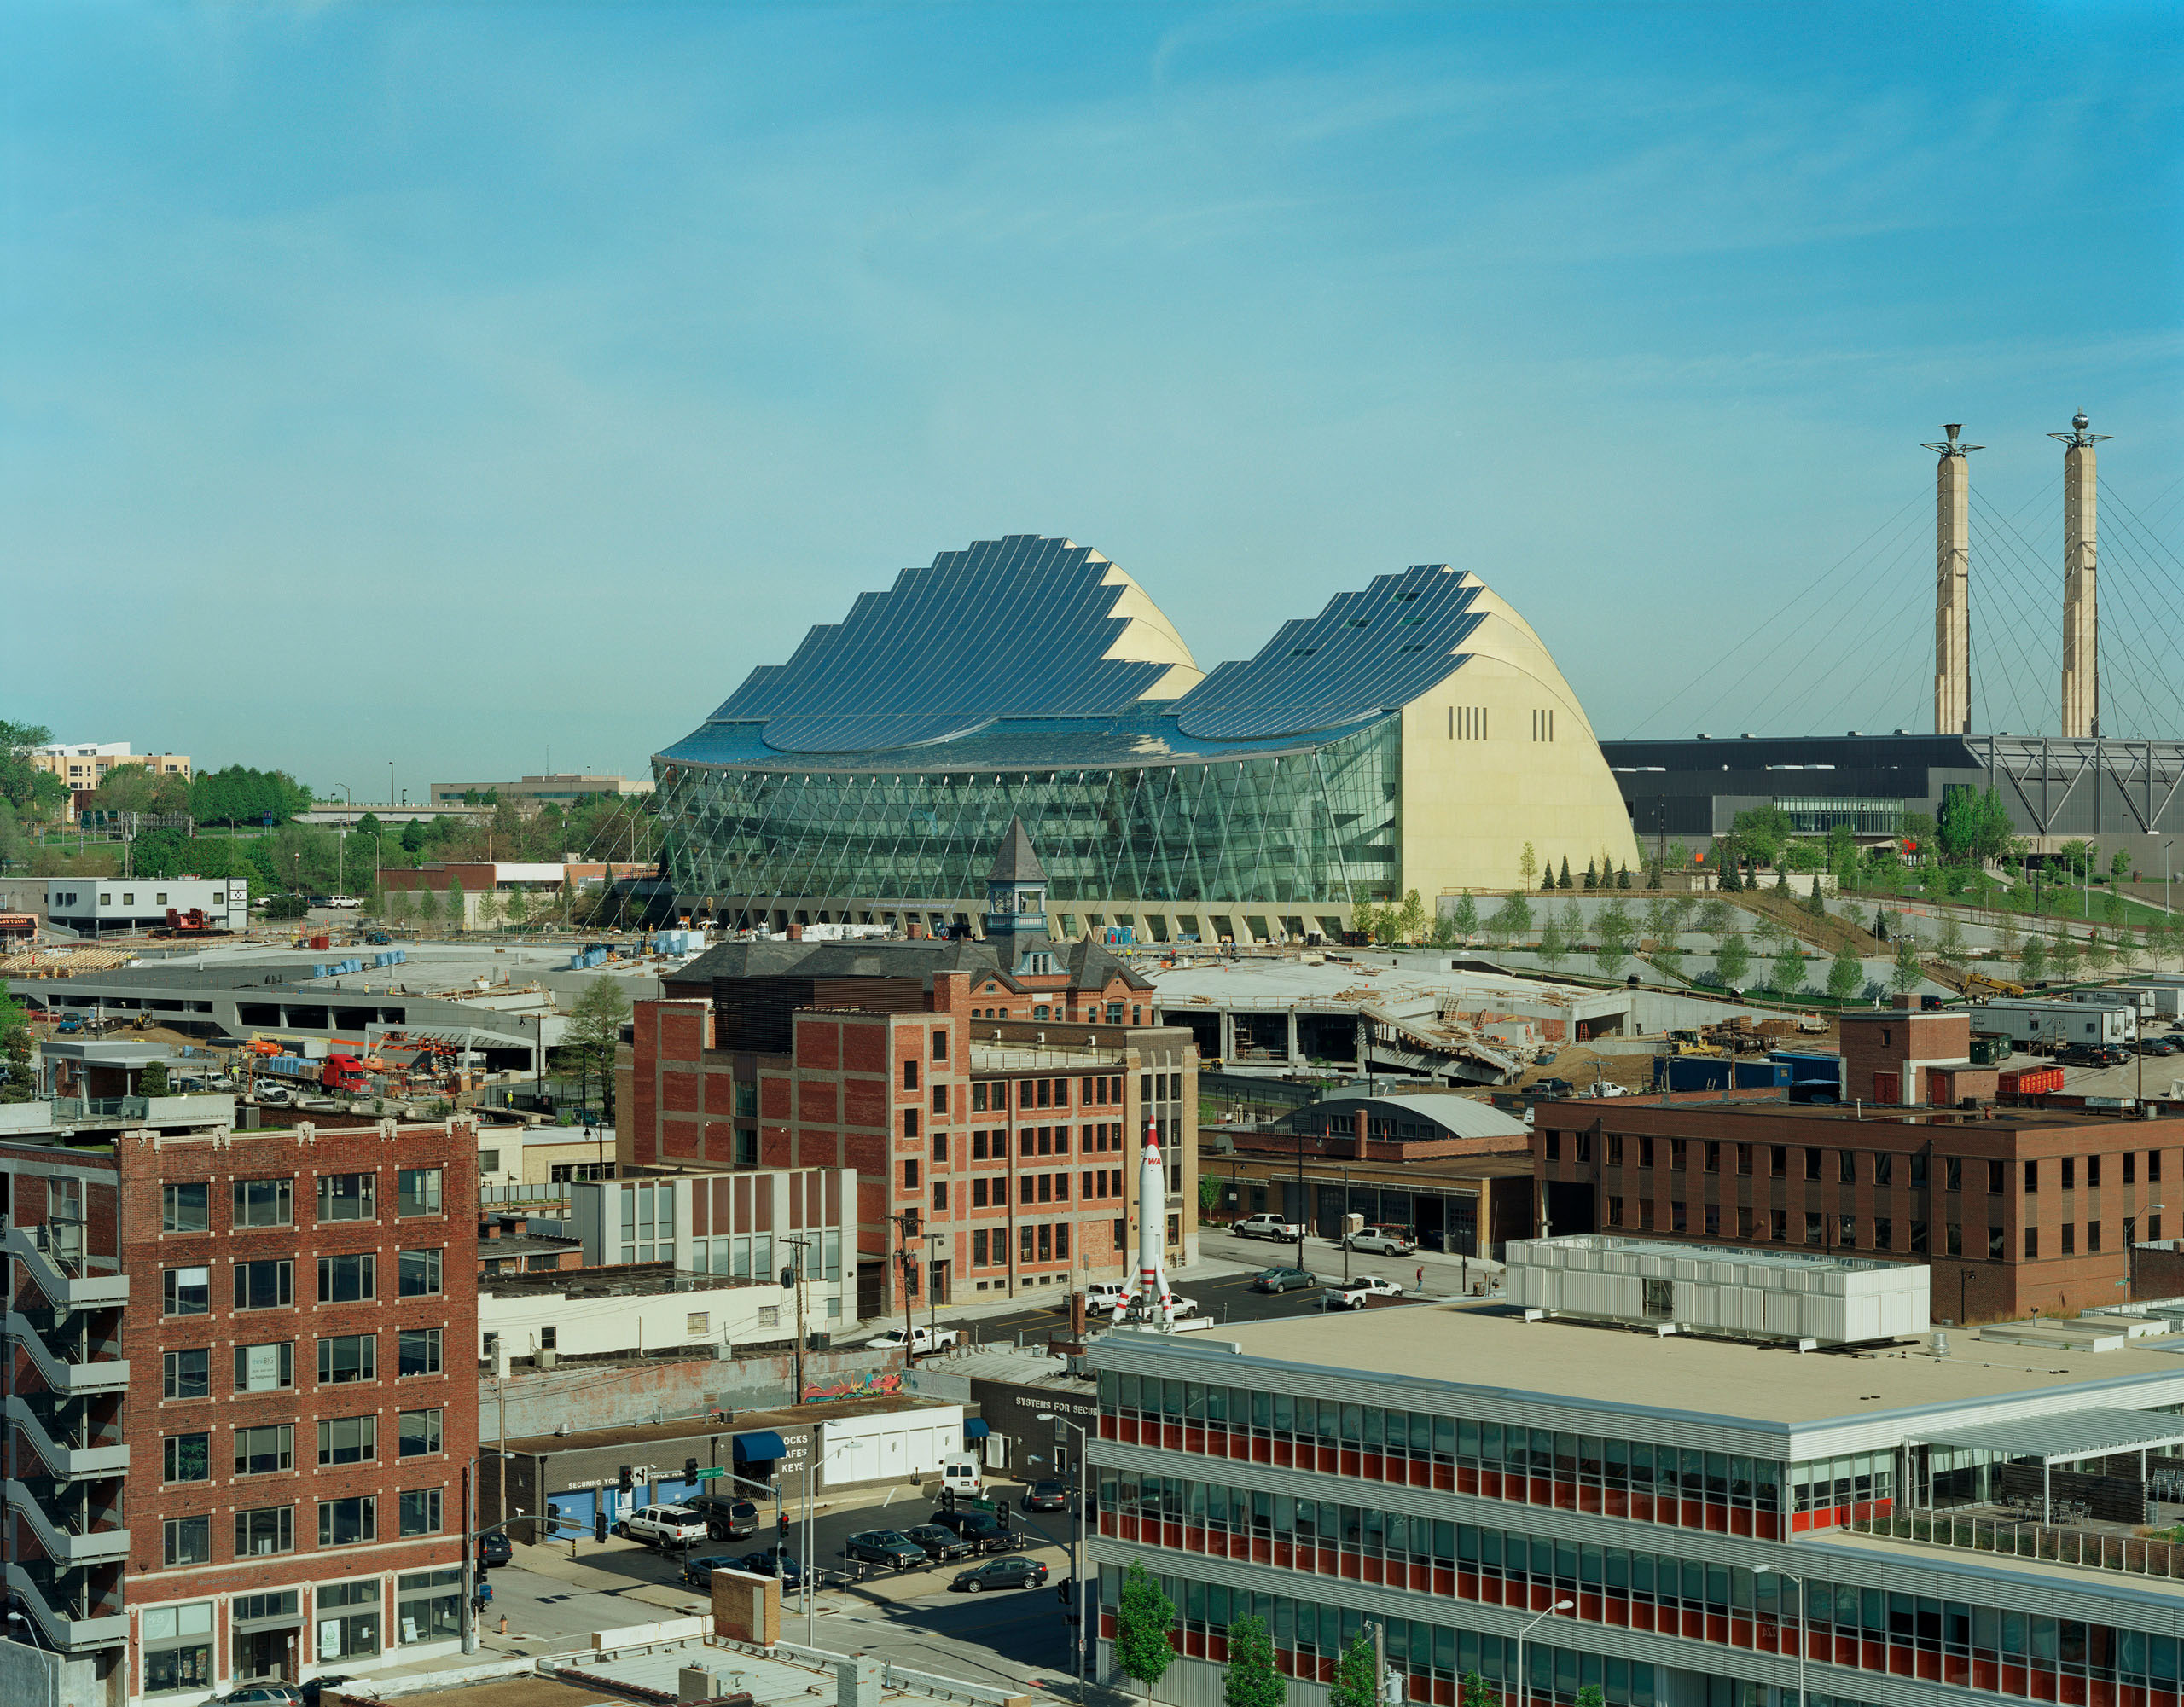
<point>1340,984</point>
<point>738,1422</point>
<point>1743,1256</point>
<point>1772,1108</point>
<point>1763,1386</point>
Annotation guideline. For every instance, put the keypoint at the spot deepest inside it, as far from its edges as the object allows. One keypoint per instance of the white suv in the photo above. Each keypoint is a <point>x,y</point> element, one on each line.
<point>665,1525</point>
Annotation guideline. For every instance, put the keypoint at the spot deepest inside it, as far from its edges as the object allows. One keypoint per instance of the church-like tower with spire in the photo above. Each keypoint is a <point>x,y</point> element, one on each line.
<point>1016,907</point>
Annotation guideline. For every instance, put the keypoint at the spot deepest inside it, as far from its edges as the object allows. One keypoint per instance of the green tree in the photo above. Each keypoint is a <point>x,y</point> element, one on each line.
<point>1973,828</point>
<point>2032,959</point>
<point>1880,924</point>
<point>1552,950</point>
<point>428,904</point>
<point>2063,954</point>
<point>1846,973</point>
<point>1465,915</point>
<point>1210,1189</point>
<point>1562,882</point>
<point>286,907</point>
<point>1787,976</point>
<point>153,1081</point>
<point>1948,944</point>
<point>1618,933</point>
<point>1251,1679</point>
<point>1762,832</point>
<point>1592,875</point>
<point>1907,974</point>
<point>1142,1620</point>
<point>1410,921</point>
<point>1714,916</point>
<point>1365,920</point>
<point>517,903</point>
<point>14,850</point>
<point>1730,882</point>
<point>18,1081</point>
<point>1476,1691</point>
<point>1357,1675</point>
<point>1622,876</point>
<point>2120,867</point>
<point>18,775</point>
<point>2098,956</point>
<point>1512,920</point>
<point>1814,903</point>
<point>1528,865</point>
<point>1733,961</point>
<point>1590,1695</point>
<point>458,907</point>
<point>589,1039</point>
<point>1660,918</point>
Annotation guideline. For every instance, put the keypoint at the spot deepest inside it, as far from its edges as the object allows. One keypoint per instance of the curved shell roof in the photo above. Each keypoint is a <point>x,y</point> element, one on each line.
<point>1023,629</point>
<point>1019,627</point>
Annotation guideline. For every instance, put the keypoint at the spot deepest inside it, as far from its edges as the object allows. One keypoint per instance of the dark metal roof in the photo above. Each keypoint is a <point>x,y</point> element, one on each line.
<point>1367,653</point>
<point>943,652</point>
<point>1016,862</point>
<point>1089,964</point>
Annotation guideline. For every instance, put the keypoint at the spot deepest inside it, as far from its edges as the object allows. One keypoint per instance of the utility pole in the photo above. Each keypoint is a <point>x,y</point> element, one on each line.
<point>801,1245</point>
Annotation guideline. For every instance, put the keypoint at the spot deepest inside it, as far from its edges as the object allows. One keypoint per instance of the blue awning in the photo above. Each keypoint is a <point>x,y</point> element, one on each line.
<point>974,1428</point>
<point>760,1447</point>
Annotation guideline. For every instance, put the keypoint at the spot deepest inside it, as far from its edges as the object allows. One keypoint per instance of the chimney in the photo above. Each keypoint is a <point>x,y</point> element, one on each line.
<point>1953,583</point>
<point>2081,580</point>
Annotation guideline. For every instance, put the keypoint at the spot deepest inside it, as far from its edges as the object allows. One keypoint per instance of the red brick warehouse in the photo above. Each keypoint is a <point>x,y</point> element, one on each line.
<point>997,1092</point>
<point>244,1381</point>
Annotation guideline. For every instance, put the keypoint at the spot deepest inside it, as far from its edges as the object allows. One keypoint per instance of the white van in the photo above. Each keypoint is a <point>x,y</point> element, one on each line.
<point>961,1475</point>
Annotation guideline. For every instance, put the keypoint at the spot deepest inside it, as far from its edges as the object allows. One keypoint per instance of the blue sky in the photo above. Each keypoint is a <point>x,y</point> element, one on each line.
<point>467,385</point>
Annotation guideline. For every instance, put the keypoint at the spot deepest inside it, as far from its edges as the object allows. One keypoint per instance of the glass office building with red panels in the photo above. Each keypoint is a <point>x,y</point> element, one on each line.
<point>1667,1520</point>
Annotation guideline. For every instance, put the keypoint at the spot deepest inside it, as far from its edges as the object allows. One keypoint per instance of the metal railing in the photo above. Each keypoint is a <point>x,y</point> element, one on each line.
<point>2132,1555</point>
<point>102,1108</point>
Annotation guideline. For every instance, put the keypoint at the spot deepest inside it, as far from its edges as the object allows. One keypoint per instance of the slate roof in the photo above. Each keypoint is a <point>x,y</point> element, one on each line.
<point>1016,862</point>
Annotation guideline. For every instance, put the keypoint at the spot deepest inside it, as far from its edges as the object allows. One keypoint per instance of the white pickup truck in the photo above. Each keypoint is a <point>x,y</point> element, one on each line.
<point>1266,1227</point>
<point>919,1339</point>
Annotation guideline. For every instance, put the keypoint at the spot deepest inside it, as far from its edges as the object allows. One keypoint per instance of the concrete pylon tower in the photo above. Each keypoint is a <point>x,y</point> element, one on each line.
<point>2081,579</point>
<point>1953,584</point>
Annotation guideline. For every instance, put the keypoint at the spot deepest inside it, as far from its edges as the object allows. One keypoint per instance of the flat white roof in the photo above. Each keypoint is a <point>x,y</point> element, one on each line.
<point>1494,1347</point>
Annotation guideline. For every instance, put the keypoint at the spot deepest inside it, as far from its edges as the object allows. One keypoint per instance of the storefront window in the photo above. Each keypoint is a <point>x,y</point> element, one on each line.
<point>177,1648</point>
<point>429,1606</point>
<point>348,1619</point>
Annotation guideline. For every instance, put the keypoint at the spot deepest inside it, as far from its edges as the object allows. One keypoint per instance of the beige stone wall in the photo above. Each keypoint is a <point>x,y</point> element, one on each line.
<point>1528,769</point>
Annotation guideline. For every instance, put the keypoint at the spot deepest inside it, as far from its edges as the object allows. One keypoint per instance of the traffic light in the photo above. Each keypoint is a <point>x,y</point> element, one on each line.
<point>599,1526</point>
<point>781,1525</point>
<point>947,1499</point>
<point>622,1481</point>
<point>1001,1513</point>
<point>690,1470</point>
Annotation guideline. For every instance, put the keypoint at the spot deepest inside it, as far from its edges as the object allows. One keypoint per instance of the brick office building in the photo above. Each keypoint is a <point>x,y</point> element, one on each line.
<point>2016,1209</point>
<point>243,1379</point>
<point>997,1091</point>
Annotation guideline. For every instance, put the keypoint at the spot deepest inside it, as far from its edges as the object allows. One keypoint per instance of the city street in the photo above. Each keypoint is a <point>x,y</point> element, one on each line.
<point>1017,1638</point>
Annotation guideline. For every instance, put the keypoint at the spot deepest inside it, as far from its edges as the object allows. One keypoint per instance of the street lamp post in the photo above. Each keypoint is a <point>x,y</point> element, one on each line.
<point>1800,1582</point>
<point>1077,1546</point>
<point>1523,1682</point>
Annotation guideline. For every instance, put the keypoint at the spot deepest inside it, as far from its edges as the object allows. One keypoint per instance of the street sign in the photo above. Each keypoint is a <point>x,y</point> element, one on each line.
<point>707,1472</point>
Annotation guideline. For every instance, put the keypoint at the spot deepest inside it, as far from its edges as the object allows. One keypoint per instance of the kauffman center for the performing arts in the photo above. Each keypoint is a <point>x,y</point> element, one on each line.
<point>1413,736</point>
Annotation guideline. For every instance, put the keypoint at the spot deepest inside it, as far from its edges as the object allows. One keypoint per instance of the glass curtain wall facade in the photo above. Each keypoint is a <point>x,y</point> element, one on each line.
<point>1307,825</point>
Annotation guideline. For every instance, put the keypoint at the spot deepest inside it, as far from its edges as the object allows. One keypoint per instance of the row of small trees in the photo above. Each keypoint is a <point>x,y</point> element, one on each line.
<point>1143,1652</point>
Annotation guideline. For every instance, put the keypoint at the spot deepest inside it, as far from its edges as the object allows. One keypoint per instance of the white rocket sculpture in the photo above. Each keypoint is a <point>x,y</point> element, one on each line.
<point>1149,1298</point>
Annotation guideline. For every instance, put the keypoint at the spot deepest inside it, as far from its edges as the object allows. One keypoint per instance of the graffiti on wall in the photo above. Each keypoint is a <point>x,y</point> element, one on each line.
<point>870,1385</point>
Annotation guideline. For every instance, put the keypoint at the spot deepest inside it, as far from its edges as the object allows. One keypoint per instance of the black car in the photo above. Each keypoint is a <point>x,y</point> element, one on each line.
<point>495,1548</point>
<point>313,1686</point>
<point>886,1547</point>
<point>699,1572</point>
<point>979,1532</point>
<point>771,1562</point>
<point>1002,1573</point>
<point>1048,1495</point>
<point>726,1518</point>
<point>943,1546</point>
